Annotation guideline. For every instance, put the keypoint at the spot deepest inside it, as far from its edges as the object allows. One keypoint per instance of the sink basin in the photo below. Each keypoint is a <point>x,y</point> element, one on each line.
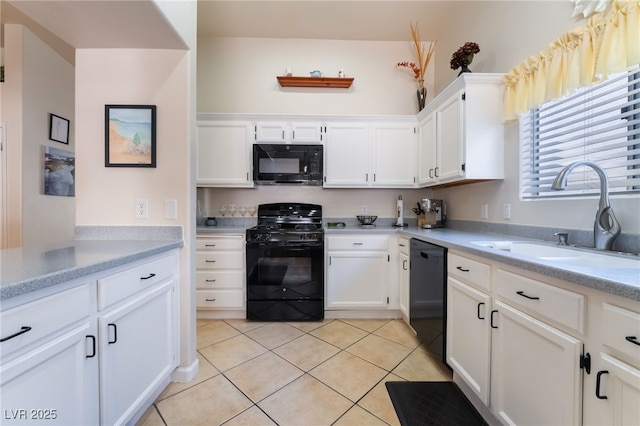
<point>565,255</point>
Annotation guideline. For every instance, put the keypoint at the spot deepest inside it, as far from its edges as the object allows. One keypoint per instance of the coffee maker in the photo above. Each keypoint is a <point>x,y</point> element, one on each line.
<point>434,216</point>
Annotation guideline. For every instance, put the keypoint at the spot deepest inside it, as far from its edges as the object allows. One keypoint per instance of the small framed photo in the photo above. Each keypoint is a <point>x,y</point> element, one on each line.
<point>130,135</point>
<point>58,129</point>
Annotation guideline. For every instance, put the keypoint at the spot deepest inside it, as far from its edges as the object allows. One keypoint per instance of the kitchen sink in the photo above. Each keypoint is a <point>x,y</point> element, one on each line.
<point>566,255</point>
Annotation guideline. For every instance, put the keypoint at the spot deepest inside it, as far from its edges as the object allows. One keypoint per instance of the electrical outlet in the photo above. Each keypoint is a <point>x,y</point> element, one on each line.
<point>364,210</point>
<point>142,208</point>
<point>484,211</point>
<point>506,211</point>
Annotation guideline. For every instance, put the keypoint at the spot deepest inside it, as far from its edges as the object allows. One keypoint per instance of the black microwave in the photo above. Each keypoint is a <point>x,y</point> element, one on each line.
<point>287,164</point>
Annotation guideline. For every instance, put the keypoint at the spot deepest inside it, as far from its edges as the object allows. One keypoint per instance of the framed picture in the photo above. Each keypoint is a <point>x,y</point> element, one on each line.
<point>59,172</point>
<point>58,129</point>
<point>130,136</point>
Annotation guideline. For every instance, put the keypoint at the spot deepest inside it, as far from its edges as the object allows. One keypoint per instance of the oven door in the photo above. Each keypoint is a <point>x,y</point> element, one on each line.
<point>285,272</point>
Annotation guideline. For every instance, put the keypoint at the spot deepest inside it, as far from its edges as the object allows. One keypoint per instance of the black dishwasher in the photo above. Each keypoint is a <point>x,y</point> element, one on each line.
<point>427,295</point>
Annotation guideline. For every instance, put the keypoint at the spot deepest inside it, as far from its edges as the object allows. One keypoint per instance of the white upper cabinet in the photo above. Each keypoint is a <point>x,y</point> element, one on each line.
<point>346,152</point>
<point>461,132</point>
<point>289,132</point>
<point>379,154</point>
<point>224,154</point>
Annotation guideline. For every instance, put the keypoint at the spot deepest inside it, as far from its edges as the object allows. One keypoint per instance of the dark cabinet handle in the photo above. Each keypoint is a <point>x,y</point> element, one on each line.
<point>357,244</point>
<point>210,261</point>
<point>210,281</point>
<point>115,333</point>
<point>148,277</point>
<point>435,171</point>
<point>632,339</point>
<point>210,300</point>
<point>425,255</point>
<point>478,311</point>
<point>493,312</point>
<point>401,245</point>
<point>521,293</point>
<point>23,330</point>
<point>93,345</point>
<point>460,268</point>
<point>209,245</point>
<point>430,173</point>
<point>404,265</point>
<point>598,376</point>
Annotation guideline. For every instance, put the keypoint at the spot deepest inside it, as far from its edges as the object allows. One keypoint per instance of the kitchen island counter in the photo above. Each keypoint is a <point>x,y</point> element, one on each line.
<point>24,270</point>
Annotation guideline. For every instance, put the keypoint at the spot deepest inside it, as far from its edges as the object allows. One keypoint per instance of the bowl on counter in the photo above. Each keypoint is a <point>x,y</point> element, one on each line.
<point>366,220</point>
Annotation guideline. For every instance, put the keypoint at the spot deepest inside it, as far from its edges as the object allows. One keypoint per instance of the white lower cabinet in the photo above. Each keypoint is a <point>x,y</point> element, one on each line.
<point>403,278</point>
<point>469,335</point>
<point>49,363</point>
<point>220,274</point>
<point>93,354</point>
<point>357,272</point>
<point>137,350</point>
<point>535,371</point>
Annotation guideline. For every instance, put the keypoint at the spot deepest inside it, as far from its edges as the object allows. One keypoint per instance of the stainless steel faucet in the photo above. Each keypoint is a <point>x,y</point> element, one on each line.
<point>606,227</point>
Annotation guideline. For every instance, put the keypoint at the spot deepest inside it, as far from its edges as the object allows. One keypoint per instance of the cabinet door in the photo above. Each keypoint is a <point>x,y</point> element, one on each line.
<point>270,132</point>
<point>616,399</point>
<point>394,149</point>
<point>535,371</point>
<point>450,137</point>
<point>306,133</point>
<point>138,351</point>
<point>357,280</point>
<point>224,154</point>
<point>56,383</point>
<point>427,150</point>
<point>403,286</point>
<point>469,336</point>
<point>347,155</point>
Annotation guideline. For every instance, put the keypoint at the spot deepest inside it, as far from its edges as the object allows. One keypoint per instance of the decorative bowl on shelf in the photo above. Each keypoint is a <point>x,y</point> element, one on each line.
<point>367,220</point>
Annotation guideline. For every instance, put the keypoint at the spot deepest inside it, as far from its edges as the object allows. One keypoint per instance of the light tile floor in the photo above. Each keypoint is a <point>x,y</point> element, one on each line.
<point>311,373</point>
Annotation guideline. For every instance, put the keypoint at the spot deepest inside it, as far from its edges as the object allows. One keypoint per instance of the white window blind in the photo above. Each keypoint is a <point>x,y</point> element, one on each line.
<point>599,123</point>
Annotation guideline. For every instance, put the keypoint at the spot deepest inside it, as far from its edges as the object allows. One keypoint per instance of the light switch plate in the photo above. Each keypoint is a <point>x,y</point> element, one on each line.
<point>170,209</point>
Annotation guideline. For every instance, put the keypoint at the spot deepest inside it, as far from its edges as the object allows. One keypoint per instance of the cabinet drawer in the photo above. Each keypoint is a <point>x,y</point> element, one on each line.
<point>223,242</point>
<point>219,279</point>
<point>357,242</point>
<point>43,317</point>
<point>559,305</point>
<point>219,260</point>
<point>620,328</point>
<point>403,246</point>
<point>119,286</point>
<point>468,270</point>
<point>220,299</point>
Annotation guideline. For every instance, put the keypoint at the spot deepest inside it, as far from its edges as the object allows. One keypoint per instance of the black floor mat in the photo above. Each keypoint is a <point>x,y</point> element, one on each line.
<point>432,403</point>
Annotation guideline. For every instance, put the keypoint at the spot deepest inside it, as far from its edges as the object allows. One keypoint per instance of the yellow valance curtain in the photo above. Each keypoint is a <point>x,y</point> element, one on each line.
<point>609,43</point>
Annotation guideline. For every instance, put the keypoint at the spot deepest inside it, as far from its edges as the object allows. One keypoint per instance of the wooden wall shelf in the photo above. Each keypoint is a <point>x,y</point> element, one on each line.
<point>339,82</point>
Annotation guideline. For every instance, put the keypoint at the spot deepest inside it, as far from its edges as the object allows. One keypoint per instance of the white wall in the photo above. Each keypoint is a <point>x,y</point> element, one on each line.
<point>38,82</point>
<point>238,75</point>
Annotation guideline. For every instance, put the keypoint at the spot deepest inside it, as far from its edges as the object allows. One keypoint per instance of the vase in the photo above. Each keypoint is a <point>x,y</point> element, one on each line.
<point>464,68</point>
<point>422,98</point>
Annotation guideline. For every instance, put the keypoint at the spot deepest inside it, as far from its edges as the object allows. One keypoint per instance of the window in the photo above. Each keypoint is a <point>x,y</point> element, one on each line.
<point>600,123</point>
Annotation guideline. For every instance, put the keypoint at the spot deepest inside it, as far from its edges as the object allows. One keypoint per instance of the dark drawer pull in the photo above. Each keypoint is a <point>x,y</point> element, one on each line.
<point>210,261</point>
<point>521,293</point>
<point>598,376</point>
<point>492,325</point>
<point>210,300</point>
<point>404,265</point>
<point>115,334</point>
<point>210,281</point>
<point>357,244</point>
<point>460,268</point>
<point>148,277</point>
<point>209,245</point>
<point>478,313</point>
<point>93,345</point>
<point>23,330</point>
<point>632,339</point>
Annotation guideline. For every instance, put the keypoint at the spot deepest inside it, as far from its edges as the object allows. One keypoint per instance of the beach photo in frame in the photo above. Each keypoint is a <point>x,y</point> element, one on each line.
<point>130,136</point>
<point>59,172</point>
<point>58,129</point>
